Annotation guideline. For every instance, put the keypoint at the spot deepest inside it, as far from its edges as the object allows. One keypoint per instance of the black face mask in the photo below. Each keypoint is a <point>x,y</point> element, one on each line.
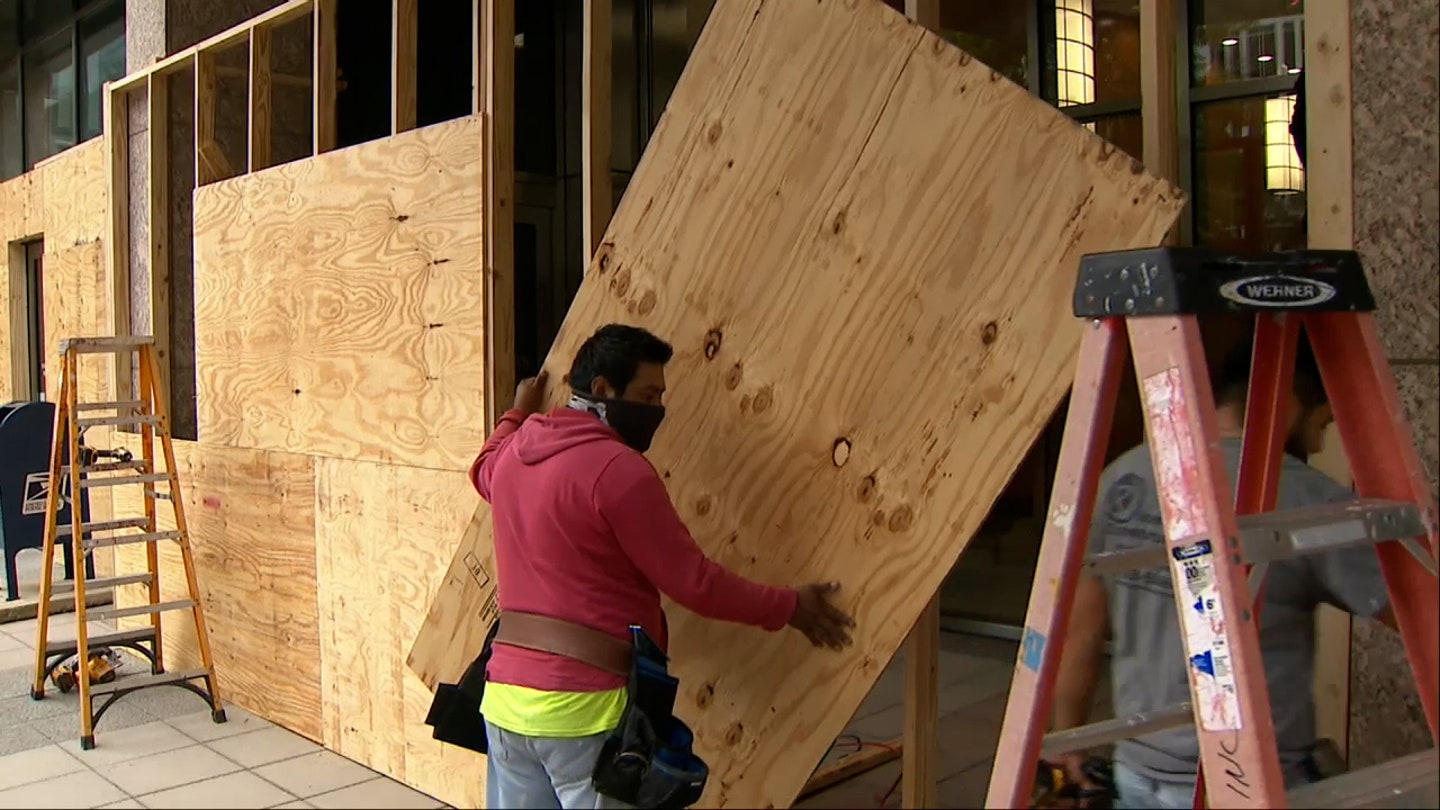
<point>636,422</point>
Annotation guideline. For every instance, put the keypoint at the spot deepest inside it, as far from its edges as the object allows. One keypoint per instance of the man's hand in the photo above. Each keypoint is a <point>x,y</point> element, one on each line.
<point>530,393</point>
<point>821,622</point>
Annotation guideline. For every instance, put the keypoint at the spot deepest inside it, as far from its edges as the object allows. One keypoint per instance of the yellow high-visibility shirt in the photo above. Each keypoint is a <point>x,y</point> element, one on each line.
<point>539,713</point>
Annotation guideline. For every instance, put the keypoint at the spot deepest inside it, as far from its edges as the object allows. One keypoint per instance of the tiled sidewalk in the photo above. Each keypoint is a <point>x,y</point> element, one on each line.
<point>154,749</point>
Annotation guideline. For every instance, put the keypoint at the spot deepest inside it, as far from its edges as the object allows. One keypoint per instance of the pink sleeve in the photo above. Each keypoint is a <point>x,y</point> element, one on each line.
<point>483,469</point>
<point>632,499</point>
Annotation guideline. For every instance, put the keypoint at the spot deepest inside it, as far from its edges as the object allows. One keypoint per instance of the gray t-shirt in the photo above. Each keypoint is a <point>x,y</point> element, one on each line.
<point>1148,667</point>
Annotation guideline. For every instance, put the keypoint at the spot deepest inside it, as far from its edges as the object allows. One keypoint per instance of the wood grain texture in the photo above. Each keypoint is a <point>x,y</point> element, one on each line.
<point>338,303</point>
<point>863,245</point>
<point>258,138</point>
<point>384,535</point>
<point>252,527</point>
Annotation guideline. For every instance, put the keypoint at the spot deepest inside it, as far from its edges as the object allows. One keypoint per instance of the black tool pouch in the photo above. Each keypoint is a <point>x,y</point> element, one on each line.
<point>455,711</point>
<point>649,761</point>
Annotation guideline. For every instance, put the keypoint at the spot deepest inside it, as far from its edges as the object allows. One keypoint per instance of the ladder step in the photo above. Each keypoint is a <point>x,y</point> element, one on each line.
<point>98,345</point>
<point>133,682</point>
<point>121,480</point>
<point>128,539</point>
<point>1412,781</point>
<point>96,640</point>
<point>108,467</point>
<point>123,405</point>
<point>105,614</point>
<point>68,586</point>
<point>1290,533</point>
<point>64,529</point>
<point>1120,728</point>
<point>130,419</point>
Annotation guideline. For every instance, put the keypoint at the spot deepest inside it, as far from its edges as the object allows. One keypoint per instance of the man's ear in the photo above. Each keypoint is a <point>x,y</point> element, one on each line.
<point>600,388</point>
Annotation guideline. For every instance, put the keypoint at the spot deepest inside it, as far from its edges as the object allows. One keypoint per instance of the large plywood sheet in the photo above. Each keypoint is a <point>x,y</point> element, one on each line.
<point>384,535</point>
<point>862,244</point>
<point>336,304</point>
<point>251,516</point>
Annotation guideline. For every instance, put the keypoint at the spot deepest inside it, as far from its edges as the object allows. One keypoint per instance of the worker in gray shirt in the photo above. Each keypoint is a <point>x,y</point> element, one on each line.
<point>1148,663</point>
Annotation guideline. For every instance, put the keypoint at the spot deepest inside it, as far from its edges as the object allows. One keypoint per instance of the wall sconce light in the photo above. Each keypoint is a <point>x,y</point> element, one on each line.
<point>1283,173</point>
<point>1074,52</point>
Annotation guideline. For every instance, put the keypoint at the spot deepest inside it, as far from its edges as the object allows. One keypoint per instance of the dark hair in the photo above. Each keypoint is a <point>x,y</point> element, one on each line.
<point>615,352</point>
<point>1233,381</point>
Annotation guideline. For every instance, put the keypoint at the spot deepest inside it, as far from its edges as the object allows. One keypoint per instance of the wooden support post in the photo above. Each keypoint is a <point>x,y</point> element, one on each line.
<point>206,171</point>
<point>925,12</point>
<point>157,215</point>
<point>1159,124</point>
<point>922,708</point>
<point>595,113</point>
<point>498,48</point>
<point>477,56</point>
<point>405,23</point>
<point>1329,165</point>
<point>117,267</point>
<point>324,69</point>
<point>258,143</point>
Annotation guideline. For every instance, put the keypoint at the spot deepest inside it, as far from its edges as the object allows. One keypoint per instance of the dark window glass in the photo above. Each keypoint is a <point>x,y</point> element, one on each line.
<point>1236,40</point>
<point>997,34</point>
<point>49,98</point>
<point>9,30</point>
<point>1124,131</point>
<point>102,59</point>
<point>41,17</point>
<point>12,159</point>
<point>1249,190</point>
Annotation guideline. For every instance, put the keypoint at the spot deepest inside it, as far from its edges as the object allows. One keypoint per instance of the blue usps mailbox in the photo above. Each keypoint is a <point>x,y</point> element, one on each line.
<point>26,432</point>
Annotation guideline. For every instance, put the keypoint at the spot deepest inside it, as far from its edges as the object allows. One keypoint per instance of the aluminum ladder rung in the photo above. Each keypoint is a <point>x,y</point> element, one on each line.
<point>95,640</point>
<point>1412,781</point>
<point>65,529</point>
<point>132,682</point>
<point>68,586</point>
<point>1120,728</point>
<point>121,480</point>
<point>129,539</point>
<point>128,419</point>
<point>121,405</point>
<point>104,614</point>
<point>1289,533</point>
<point>105,345</point>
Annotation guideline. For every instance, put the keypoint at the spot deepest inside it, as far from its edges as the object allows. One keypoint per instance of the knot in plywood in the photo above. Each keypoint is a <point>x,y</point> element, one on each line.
<point>840,453</point>
<point>712,344</point>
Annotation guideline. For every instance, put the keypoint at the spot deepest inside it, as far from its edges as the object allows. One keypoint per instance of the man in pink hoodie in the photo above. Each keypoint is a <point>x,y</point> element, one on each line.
<point>586,541</point>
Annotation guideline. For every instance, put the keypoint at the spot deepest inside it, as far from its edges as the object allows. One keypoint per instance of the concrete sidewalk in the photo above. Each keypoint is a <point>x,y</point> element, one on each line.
<point>159,748</point>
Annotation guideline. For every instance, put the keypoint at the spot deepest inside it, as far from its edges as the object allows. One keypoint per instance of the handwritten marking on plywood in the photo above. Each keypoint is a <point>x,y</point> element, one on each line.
<point>252,527</point>
<point>337,306</point>
<point>855,234</point>
<point>384,535</point>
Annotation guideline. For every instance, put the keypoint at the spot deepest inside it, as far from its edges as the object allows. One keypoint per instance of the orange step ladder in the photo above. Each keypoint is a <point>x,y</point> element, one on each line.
<point>1148,301</point>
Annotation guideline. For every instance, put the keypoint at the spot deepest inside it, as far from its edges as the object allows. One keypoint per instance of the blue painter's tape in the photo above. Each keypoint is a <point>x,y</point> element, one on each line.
<point>1032,649</point>
<point>1204,662</point>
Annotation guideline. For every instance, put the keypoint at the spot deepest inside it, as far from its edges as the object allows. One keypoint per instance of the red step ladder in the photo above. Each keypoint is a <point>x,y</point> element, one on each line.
<point>1148,301</point>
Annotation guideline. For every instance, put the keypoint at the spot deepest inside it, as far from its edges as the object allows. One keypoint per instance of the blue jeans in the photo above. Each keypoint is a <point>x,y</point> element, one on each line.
<point>1140,792</point>
<point>544,773</point>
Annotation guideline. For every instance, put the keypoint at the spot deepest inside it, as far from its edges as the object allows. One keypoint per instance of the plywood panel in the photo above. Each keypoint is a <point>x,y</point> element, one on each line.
<point>338,303</point>
<point>252,524</point>
<point>384,536</point>
<point>856,237</point>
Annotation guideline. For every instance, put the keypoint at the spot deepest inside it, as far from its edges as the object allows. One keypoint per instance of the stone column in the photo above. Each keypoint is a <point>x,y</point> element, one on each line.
<point>1396,127</point>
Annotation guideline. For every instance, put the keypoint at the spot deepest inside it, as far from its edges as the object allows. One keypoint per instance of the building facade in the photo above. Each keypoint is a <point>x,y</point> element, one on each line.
<point>1201,91</point>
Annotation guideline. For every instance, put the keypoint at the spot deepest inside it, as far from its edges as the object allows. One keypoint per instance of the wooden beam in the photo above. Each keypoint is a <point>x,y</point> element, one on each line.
<point>922,708</point>
<point>852,765</point>
<point>204,116</point>
<point>598,197</point>
<point>157,215</point>
<point>257,152</point>
<point>283,13</point>
<point>1330,195</point>
<point>477,57</point>
<point>499,48</point>
<point>325,67</point>
<point>1159,123</point>
<point>117,266</point>
<point>925,12</point>
<point>405,16</point>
